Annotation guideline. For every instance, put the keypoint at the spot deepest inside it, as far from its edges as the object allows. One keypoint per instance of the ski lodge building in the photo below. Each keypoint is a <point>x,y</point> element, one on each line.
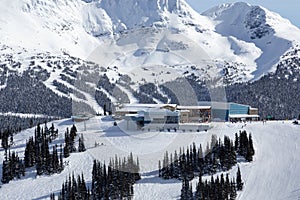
<point>177,117</point>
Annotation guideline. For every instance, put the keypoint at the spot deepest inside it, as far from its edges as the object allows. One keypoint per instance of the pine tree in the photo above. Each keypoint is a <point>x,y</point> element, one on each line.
<point>6,170</point>
<point>115,181</point>
<point>233,194</point>
<point>239,183</point>
<point>61,159</point>
<point>251,145</point>
<point>176,173</point>
<point>12,167</point>
<point>104,109</point>
<point>236,142</point>
<point>200,160</point>
<point>52,196</point>
<point>11,139</point>
<point>199,194</point>
<point>165,169</point>
<point>185,190</point>
<point>81,146</point>
<point>73,134</point>
<point>29,155</point>
<point>67,147</point>
<point>227,187</point>
<point>159,169</point>
<point>4,141</point>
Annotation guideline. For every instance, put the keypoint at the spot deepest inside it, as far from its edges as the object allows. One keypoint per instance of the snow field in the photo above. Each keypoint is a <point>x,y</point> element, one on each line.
<point>274,173</point>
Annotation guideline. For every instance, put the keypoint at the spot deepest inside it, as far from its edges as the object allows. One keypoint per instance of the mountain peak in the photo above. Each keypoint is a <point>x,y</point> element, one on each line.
<point>217,11</point>
<point>249,22</point>
<point>129,14</point>
<point>77,25</point>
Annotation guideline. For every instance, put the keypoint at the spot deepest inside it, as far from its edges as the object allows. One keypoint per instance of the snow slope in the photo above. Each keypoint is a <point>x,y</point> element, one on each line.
<point>274,173</point>
<point>257,25</point>
<point>239,34</point>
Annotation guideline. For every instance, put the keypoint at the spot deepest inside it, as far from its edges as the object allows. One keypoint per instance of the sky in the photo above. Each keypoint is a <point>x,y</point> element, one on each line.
<point>289,9</point>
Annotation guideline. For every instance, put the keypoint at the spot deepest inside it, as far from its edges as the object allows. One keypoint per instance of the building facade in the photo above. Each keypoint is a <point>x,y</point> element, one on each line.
<point>172,116</point>
<point>228,111</point>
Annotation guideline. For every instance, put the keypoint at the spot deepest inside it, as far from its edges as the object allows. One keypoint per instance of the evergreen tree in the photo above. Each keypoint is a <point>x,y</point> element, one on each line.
<point>81,146</point>
<point>199,194</point>
<point>11,139</point>
<point>4,137</point>
<point>12,167</point>
<point>236,142</point>
<point>52,196</point>
<point>115,181</point>
<point>61,158</point>
<point>250,149</point>
<point>185,190</point>
<point>29,155</point>
<point>176,170</point>
<point>104,109</point>
<point>67,147</point>
<point>159,169</point>
<point>73,134</point>
<point>165,170</point>
<point>6,171</point>
<point>239,183</point>
<point>233,194</point>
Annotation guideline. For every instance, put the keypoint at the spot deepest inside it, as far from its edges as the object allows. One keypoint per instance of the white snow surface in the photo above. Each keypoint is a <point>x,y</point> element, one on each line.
<point>244,22</point>
<point>273,174</point>
<point>82,27</point>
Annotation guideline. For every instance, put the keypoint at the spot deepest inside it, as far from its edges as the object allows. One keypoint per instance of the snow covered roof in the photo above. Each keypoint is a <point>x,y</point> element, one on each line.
<point>243,116</point>
<point>80,117</point>
<point>182,111</point>
<point>193,107</point>
<point>148,105</point>
<point>215,104</point>
<point>126,109</point>
<point>133,115</point>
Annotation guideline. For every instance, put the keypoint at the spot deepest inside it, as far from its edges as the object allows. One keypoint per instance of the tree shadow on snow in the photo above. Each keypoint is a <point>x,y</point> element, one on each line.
<point>67,122</point>
<point>107,119</point>
<point>152,177</point>
<point>57,192</point>
<point>114,131</point>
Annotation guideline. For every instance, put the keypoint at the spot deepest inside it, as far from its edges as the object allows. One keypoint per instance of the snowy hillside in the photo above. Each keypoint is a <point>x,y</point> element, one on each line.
<point>237,37</point>
<point>272,175</point>
<point>255,24</point>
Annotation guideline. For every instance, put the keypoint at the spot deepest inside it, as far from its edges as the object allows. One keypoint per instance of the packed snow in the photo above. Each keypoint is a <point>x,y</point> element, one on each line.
<point>272,175</point>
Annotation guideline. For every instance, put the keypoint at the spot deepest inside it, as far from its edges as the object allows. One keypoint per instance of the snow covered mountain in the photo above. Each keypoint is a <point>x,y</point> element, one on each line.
<point>78,25</point>
<point>132,43</point>
<point>239,34</point>
<point>271,33</point>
